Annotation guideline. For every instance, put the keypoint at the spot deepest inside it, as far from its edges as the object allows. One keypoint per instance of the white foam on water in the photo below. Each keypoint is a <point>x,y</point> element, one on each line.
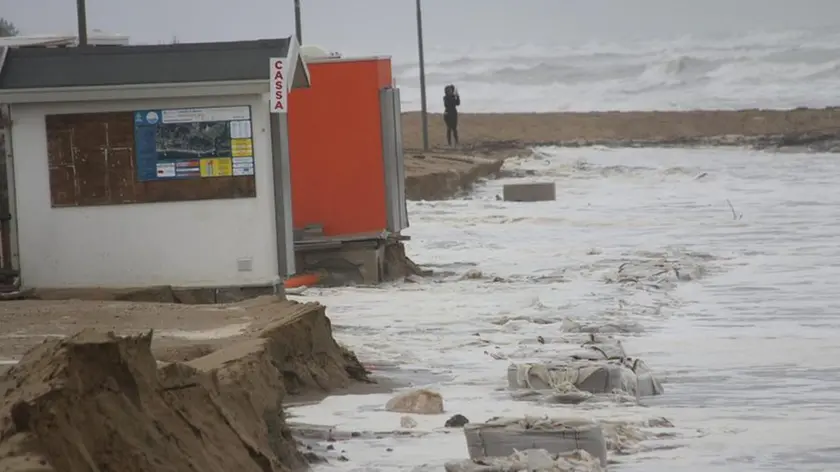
<point>228,331</point>
<point>784,69</point>
<point>745,341</point>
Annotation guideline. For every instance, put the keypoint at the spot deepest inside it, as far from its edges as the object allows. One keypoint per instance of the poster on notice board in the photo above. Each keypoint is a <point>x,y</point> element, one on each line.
<point>193,143</point>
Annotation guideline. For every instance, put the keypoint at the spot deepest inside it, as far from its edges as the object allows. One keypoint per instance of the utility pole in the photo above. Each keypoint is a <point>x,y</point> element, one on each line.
<point>298,31</point>
<point>423,111</point>
<point>81,17</point>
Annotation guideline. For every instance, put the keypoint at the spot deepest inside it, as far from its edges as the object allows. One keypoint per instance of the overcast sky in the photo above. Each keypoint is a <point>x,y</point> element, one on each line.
<point>388,26</point>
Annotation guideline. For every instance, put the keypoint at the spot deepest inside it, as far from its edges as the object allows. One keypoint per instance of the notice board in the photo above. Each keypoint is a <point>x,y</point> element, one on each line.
<point>193,143</point>
<point>127,157</point>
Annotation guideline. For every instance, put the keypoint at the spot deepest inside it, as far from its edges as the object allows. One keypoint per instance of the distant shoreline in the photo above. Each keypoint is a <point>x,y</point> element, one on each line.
<point>813,129</point>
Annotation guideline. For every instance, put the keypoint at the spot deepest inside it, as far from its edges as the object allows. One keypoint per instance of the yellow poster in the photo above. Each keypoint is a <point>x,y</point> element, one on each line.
<point>216,167</point>
<point>242,147</point>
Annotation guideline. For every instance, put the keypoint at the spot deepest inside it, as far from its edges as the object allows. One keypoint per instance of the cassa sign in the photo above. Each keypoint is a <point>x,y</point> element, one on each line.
<point>279,100</point>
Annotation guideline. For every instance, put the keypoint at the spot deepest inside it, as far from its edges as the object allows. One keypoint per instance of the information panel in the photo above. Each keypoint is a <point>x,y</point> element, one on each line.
<point>193,143</point>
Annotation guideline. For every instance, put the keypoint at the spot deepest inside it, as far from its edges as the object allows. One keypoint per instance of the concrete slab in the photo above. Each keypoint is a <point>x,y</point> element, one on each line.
<point>501,437</point>
<point>530,192</point>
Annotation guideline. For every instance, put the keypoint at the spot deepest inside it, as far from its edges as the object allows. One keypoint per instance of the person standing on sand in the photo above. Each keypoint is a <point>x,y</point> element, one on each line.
<point>451,102</point>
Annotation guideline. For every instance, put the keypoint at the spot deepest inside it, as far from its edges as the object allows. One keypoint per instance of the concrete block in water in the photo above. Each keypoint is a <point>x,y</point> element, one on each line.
<point>500,437</point>
<point>532,192</point>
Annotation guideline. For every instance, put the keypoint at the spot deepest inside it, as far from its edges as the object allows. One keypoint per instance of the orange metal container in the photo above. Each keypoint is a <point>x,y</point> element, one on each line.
<point>335,147</point>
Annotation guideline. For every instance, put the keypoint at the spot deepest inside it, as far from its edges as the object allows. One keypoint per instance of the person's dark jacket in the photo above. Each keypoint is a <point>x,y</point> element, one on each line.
<point>450,104</point>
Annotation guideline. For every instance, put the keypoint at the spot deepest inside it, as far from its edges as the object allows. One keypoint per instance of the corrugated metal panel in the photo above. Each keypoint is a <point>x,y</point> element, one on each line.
<point>392,153</point>
<point>400,161</point>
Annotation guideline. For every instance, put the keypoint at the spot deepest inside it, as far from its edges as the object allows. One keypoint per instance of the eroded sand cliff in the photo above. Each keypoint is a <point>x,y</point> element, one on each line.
<point>99,401</point>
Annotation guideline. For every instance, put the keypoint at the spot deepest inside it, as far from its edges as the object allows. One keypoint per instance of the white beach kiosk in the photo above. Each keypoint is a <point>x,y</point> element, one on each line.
<point>138,166</point>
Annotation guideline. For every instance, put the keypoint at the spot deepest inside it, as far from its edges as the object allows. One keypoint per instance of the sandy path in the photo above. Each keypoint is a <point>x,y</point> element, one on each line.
<point>176,327</point>
<point>531,128</point>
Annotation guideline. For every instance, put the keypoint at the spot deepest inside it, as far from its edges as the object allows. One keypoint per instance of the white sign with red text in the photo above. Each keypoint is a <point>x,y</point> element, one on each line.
<point>279,92</point>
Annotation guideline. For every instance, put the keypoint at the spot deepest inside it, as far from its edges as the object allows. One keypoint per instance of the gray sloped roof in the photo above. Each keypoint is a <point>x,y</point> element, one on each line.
<point>35,68</point>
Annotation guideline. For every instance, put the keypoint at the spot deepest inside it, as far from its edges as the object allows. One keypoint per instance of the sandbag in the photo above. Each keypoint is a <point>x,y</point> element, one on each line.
<point>597,377</point>
<point>648,385</point>
<point>531,460</point>
<point>500,437</point>
<point>585,375</point>
<point>571,397</point>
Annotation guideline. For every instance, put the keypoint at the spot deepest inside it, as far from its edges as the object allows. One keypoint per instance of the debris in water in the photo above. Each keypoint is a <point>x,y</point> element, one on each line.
<point>735,215</point>
<point>456,421</point>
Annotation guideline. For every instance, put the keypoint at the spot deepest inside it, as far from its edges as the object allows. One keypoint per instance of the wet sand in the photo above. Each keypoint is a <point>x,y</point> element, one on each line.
<point>441,175</point>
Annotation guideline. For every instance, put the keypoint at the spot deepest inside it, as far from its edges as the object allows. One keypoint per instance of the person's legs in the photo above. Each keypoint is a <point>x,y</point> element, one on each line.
<point>455,129</point>
<point>449,129</point>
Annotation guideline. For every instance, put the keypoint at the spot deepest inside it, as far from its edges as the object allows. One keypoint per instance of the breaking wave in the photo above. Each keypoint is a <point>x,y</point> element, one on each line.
<point>784,70</point>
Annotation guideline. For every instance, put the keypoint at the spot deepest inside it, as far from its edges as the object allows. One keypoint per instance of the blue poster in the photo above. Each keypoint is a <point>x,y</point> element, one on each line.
<point>193,143</point>
<point>145,144</point>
